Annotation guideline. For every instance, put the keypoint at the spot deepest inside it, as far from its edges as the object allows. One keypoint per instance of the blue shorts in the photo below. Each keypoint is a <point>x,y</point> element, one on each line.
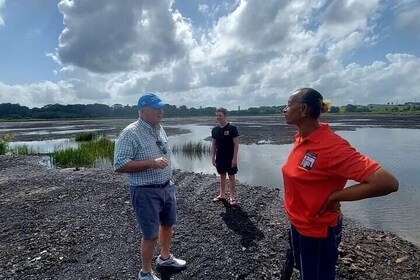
<point>154,207</point>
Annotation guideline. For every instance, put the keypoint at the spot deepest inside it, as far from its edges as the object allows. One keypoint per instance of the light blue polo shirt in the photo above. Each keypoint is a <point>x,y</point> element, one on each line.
<point>138,142</point>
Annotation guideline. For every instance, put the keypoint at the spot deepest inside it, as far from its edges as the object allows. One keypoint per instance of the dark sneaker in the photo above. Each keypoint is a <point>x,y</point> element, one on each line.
<point>172,263</point>
<point>147,276</point>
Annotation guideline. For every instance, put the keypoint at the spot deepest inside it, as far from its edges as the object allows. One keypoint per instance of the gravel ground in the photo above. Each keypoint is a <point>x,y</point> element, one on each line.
<point>78,224</point>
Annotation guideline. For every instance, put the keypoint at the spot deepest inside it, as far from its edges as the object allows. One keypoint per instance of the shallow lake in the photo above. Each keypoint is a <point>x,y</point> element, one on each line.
<point>396,149</point>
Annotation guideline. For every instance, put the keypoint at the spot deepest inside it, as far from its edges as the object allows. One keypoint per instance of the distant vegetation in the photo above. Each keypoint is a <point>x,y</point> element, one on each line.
<point>16,150</point>
<point>85,136</point>
<point>192,149</point>
<point>22,150</point>
<point>57,111</point>
<point>408,107</point>
<point>4,140</point>
<point>92,149</point>
<point>85,155</point>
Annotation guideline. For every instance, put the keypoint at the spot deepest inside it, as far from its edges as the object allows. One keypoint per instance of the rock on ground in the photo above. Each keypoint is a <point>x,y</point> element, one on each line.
<point>78,224</point>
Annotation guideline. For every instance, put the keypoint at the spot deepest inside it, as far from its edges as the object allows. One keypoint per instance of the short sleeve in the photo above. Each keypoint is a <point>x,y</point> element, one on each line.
<point>348,163</point>
<point>124,149</point>
<point>234,131</point>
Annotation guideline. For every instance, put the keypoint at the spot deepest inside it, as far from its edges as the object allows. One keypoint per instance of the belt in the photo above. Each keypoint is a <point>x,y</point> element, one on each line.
<point>156,186</point>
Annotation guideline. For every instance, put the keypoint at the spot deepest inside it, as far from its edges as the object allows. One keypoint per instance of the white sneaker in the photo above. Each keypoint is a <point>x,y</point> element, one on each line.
<point>171,263</point>
<point>148,276</point>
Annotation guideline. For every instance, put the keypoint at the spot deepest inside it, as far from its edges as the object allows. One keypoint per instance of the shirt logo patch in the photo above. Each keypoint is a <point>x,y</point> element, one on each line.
<point>308,160</point>
<point>226,132</point>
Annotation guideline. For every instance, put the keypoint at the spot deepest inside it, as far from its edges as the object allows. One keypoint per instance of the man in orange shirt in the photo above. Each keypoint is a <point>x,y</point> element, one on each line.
<point>314,178</point>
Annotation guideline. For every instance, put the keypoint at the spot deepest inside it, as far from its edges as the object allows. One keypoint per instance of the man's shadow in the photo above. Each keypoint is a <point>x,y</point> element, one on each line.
<point>238,221</point>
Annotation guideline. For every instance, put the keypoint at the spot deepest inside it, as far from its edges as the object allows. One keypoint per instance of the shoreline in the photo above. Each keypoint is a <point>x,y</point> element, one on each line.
<point>270,128</point>
<point>68,224</point>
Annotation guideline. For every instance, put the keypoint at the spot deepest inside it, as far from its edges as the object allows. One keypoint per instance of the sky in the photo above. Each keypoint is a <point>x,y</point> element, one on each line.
<point>230,53</point>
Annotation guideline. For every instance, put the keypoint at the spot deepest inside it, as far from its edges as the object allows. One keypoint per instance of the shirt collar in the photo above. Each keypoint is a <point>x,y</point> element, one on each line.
<point>147,126</point>
<point>314,136</point>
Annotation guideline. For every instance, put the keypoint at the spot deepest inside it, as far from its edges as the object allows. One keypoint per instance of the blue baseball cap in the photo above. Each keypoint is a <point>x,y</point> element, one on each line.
<point>150,100</point>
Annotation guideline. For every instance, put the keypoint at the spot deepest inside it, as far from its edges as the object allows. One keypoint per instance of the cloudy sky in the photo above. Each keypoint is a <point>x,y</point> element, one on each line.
<point>208,53</point>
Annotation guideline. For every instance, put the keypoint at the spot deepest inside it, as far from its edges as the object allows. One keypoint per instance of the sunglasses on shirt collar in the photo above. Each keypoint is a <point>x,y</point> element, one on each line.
<point>161,146</point>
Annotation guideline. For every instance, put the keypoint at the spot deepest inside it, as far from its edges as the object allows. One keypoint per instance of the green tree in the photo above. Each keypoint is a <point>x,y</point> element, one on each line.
<point>350,108</point>
<point>334,109</point>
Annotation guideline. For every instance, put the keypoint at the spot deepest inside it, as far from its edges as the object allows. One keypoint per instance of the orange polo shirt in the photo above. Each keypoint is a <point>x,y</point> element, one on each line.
<point>319,165</point>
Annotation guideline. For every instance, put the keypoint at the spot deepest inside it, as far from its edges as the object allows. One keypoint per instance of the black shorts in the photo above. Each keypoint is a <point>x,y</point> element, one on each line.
<point>226,168</point>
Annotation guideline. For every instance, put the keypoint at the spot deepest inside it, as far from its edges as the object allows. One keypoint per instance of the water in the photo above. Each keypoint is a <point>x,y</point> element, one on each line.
<point>259,165</point>
<point>47,146</point>
<point>395,149</point>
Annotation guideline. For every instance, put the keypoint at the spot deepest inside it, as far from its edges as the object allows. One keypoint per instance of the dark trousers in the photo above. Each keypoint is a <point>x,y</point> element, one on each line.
<point>316,257</point>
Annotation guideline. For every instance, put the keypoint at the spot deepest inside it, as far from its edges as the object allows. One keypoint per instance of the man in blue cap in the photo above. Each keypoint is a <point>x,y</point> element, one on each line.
<point>143,155</point>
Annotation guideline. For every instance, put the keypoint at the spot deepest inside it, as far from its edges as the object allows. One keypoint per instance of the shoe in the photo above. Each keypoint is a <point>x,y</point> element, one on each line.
<point>148,276</point>
<point>172,263</point>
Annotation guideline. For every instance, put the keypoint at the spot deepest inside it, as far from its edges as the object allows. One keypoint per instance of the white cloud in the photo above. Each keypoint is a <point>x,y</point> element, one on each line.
<point>108,37</point>
<point>253,25</point>
<point>203,8</point>
<point>62,92</point>
<point>409,21</point>
<point>343,17</point>
<point>2,2</point>
<point>255,55</point>
<point>381,82</point>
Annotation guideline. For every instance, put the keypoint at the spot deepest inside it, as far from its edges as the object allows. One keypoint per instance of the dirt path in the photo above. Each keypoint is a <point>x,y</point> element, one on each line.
<point>67,224</point>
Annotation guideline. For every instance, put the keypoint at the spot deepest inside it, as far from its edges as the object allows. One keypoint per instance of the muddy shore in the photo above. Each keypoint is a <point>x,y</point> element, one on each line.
<point>78,224</point>
<point>252,129</point>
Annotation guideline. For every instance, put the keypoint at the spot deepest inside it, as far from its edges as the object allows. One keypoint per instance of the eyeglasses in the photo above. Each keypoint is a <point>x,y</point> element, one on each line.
<point>161,147</point>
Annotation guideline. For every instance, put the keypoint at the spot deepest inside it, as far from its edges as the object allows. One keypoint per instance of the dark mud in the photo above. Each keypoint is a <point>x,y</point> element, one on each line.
<point>253,130</point>
<point>68,224</point>
<point>274,130</point>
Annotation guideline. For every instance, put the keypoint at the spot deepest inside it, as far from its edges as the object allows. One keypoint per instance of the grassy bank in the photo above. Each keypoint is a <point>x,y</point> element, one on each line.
<point>85,155</point>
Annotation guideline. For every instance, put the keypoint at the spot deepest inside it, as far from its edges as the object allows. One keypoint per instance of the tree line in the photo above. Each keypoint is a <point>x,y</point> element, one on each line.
<point>58,111</point>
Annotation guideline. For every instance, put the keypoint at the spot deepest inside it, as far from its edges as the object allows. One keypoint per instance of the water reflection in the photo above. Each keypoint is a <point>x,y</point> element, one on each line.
<point>395,149</point>
<point>258,165</point>
<point>45,147</point>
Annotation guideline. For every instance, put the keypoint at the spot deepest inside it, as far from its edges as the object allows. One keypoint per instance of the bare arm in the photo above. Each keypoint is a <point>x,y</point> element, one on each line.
<point>380,183</point>
<point>213,151</point>
<point>235,151</point>
<point>138,166</point>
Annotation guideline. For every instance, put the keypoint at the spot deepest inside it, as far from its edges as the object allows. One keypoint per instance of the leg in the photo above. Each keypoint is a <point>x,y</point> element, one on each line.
<point>295,244</point>
<point>168,219</point>
<point>144,201</point>
<point>232,185</point>
<point>165,237</point>
<point>222,192</point>
<point>316,257</point>
<point>147,249</point>
<point>221,170</point>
